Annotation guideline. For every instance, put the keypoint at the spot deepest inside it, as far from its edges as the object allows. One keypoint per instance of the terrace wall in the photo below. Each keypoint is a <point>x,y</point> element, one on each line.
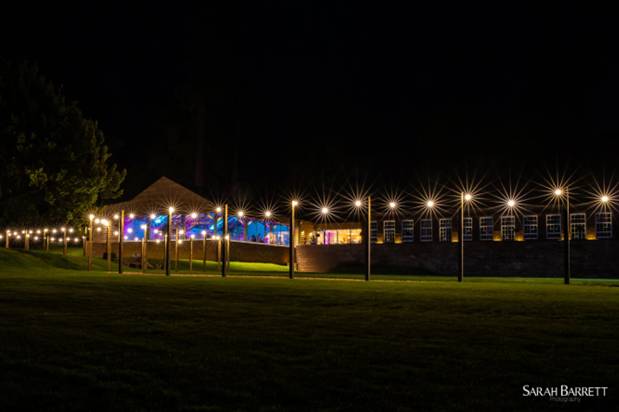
<point>239,251</point>
<point>541,258</point>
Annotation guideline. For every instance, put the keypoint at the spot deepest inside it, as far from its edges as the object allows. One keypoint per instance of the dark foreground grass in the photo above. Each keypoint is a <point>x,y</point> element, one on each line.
<point>76,341</point>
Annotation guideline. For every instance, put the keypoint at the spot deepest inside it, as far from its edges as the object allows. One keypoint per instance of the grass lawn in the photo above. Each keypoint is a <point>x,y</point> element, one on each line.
<point>73,340</point>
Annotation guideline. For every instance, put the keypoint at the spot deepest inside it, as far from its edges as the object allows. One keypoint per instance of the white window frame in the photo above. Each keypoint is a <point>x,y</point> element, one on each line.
<point>555,233</point>
<point>425,230</point>
<point>408,231</point>
<point>468,229</point>
<point>578,226</point>
<point>444,229</point>
<point>388,231</point>
<point>508,227</point>
<point>486,227</point>
<point>604,225</point>
<point>530,227</point>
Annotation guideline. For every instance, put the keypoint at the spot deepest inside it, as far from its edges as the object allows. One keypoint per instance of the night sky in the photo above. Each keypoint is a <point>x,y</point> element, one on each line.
<point>289,94</point>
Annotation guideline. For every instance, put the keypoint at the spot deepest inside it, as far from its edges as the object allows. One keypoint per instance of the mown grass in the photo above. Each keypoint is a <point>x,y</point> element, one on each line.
<point>73,340</point>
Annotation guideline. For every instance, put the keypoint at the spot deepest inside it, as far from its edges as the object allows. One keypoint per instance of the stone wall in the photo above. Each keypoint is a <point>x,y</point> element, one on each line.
<point>239,251</point>
<point>541,258</point>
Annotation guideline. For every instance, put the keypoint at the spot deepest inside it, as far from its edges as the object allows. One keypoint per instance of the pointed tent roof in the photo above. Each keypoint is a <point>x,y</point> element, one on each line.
<point>159,196</point>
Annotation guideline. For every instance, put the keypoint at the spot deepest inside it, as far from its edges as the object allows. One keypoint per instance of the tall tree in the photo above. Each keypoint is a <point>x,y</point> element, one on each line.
<point>55,165</point>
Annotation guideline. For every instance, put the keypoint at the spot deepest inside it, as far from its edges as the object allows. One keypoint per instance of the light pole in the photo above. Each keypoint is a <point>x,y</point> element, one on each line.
<point>215,228</point>
<point>167,242</point>
<point>240,215</point>
<point>144,261</point>
<point>108,243</point>
<point>567,252</point>
<point>204,250</point>
<point>177,242</point>
<point>291,240</point>
<point>225,250</point>
<point>191,237</point>
<point>368,240</point>
<point>91,217</point>
<point>64,240</point>
<point>121,239</point>
<point>267,217</point>
<point>218,239</point>
<point>464,197</point>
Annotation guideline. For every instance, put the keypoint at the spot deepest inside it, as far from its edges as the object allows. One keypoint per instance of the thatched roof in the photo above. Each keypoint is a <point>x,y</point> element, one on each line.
<point>159,196</point>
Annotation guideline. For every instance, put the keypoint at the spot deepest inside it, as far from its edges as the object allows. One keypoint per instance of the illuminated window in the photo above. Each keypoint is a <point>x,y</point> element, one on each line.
<point>508,227</point>
<point>553,226</point>
<point>486,227</point>
<point>408,231</point>
<point>444,230</point>
<point>468,229</point>
<point>425,230</point>
<point>530,227</point>
<point>389,231</point>
<point>349,236</point>
<point>373,231</point>
<point>578,226</point>
<point>604,225</point>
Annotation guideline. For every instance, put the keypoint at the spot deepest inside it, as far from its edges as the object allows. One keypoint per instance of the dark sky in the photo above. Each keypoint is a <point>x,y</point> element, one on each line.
<point>291,94</point>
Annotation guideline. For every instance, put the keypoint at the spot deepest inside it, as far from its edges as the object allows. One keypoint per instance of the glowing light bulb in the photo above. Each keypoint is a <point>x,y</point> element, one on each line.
<point>511,203</point>
<point>392,205</point>
<point>358,203</point>
<point>218,209</point>
<point>604,199</point>
<point>171,209</point>
<point>468,197</point>
<point>268,213</point>
<point>295,203</point>
<point>152,216</point>
<point>324,210</point>
<point>194,215</point>
<point>430,203</point>
<point>558,192</point>
<point>91,216</point>
<point>240,213</point>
